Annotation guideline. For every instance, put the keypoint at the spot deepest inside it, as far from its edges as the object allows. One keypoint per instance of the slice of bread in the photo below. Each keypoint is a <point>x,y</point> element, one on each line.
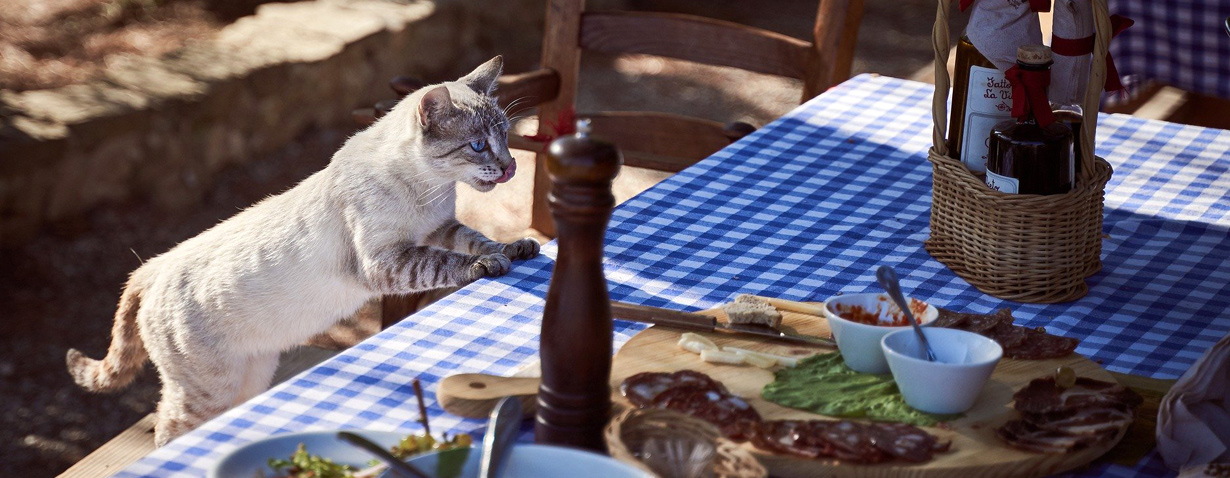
<point>748,309</point>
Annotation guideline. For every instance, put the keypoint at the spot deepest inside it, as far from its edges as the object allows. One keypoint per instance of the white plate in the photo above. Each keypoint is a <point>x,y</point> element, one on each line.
<point>246,461</point>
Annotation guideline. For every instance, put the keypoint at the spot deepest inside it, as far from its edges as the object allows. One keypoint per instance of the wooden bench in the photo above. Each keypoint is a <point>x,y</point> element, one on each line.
<point>138,440</point>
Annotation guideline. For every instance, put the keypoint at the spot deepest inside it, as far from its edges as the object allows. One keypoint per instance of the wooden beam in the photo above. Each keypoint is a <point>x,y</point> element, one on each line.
<point>834,37</point>
<point>561,53</point>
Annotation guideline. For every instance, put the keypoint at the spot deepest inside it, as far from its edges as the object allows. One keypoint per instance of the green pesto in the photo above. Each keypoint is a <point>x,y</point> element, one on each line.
<point>824,384</point>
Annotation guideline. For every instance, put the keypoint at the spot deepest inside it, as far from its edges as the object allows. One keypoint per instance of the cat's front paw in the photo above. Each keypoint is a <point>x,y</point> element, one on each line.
<point>522,249</point>
<point>490,265</point>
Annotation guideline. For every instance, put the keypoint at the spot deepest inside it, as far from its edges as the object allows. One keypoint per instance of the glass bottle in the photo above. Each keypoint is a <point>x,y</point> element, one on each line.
<point>981,98</point>
<point>1027,156</point>
<point>1072,115</point>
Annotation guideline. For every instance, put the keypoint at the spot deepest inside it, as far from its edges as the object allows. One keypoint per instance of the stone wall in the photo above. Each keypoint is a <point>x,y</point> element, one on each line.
<point>159,129</point>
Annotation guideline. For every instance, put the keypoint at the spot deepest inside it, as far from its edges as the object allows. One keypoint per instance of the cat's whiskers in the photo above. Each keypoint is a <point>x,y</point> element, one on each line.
<point>435,198</point>
<point>514,103</point>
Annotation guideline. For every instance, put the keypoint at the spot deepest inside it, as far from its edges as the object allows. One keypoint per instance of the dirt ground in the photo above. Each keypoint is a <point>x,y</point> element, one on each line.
<point>59,291</point>
<point>53,43</point>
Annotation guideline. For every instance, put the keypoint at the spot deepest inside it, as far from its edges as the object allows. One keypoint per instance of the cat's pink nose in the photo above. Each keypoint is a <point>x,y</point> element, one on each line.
<point>508,173</point>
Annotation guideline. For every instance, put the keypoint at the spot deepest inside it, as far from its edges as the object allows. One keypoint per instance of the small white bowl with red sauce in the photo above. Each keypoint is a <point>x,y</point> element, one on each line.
<point>859,321</point>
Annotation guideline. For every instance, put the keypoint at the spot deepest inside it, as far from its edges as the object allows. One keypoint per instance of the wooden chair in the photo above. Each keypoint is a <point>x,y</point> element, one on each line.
<point>663,141</point>
<point>659,141</point>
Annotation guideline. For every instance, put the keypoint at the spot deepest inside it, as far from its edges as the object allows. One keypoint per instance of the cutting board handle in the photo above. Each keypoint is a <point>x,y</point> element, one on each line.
<point>799,307</point>
<point>474,395</point>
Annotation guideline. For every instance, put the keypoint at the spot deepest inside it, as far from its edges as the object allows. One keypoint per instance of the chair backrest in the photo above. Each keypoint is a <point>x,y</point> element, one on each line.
<point>665,141</point>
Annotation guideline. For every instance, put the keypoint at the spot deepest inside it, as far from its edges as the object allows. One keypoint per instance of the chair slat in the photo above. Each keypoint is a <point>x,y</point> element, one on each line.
<point>662,141</point>
<point>531,88</point>
<point>694,38</point>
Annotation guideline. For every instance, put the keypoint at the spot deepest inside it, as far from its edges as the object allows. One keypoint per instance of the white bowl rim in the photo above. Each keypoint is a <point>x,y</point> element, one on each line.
<point>999,350</point>
<point>833,315</point>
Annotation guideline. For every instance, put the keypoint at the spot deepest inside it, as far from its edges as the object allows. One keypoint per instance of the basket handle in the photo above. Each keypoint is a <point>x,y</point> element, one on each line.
<point>1093,92</point>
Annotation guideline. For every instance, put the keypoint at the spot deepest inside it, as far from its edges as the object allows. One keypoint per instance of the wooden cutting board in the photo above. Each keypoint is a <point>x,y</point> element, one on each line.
<point>976,451</point>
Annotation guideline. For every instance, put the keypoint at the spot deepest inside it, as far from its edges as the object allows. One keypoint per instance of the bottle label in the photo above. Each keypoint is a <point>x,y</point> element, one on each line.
<point>1003,184</point>
<point>988,100</point>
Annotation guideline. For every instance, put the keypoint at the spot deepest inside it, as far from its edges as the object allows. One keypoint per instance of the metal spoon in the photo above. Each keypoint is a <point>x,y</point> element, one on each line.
<point>501,432</point>
<point>399,467</point>
<point>888,280</point>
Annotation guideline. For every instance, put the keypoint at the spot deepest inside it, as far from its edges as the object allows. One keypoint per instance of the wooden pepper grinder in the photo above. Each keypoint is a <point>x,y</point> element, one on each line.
<point>574,400</point>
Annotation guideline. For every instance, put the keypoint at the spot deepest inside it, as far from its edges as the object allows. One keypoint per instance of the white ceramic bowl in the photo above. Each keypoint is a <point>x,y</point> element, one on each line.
<point>526,461</point>
<point>859,343</point>
<point>953,382</point>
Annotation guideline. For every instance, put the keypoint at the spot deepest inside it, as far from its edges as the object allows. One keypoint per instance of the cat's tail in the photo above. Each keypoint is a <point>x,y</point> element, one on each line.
<point>126,356</point>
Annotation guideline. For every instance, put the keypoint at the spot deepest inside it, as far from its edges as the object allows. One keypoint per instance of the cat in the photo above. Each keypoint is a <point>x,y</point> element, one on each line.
<point>214,312</point>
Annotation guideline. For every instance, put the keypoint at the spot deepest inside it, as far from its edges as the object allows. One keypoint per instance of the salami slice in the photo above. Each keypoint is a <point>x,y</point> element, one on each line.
<point>852,442</point>
<point>733,415</point>
<point>782,436</point>
<point>906,442</point>
<point>642,388</point>
<point>848,441</point>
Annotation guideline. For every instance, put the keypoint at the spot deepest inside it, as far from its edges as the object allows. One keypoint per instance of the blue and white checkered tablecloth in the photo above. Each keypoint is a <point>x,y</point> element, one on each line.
<point>1181,43</point>
<point>804,208</point>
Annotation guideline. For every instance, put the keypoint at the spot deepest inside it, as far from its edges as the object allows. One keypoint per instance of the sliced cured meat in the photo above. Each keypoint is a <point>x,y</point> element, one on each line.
<point>1021,434</point>
<point>1036,344</point>
<point>782,436</point>
<point>848,441</point>
<point>642,388</point>
<point>1083,421</point>
<point>852,442</point>
<point>1042,395</point>
<point>1018,342</point>
<point>733,415</point>
<point>906,442</point>
<point>977,323</point>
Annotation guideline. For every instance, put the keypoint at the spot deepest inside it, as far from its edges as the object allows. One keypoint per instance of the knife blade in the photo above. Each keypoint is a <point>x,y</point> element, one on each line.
<point>707,323</point>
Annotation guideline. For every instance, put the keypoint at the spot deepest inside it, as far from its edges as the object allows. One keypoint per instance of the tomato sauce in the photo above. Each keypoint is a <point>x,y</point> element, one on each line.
<point>860,314</point>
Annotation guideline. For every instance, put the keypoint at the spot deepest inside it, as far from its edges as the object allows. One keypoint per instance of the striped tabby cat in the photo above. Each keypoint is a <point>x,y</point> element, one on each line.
<point>214,312</point>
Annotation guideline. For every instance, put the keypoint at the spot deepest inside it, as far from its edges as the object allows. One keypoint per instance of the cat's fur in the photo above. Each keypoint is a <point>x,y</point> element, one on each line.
<point>214,312</point>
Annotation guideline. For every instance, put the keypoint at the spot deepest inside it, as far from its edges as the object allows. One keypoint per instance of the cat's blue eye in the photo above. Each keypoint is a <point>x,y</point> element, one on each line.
<point>478,145</point>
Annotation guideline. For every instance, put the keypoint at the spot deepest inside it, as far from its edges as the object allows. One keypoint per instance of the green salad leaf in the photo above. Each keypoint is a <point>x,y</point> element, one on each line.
<point>824,384</point>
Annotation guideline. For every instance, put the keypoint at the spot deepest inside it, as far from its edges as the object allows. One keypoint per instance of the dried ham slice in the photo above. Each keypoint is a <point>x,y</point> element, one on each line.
<point>1024,435</point>
<point>1042,395</point>
<point>1060,420</point>
<point>1018,342</point>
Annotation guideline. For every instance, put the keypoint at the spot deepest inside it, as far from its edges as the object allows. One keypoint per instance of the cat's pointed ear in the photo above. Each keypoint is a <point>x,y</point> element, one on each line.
<point>433,103</point>
<point>483,79</point>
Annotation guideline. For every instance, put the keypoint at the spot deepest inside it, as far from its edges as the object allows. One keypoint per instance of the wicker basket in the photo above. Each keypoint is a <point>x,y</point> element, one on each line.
<point>1027,248</point>
<point>628,432</point>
